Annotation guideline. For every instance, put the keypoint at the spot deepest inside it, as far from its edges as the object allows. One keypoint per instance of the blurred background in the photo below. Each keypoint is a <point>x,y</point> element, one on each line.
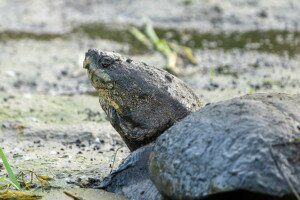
<point>240,46</point>
<point>224,49</point>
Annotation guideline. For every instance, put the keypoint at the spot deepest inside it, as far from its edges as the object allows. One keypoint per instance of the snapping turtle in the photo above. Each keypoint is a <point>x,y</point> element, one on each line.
<point>224,149</point>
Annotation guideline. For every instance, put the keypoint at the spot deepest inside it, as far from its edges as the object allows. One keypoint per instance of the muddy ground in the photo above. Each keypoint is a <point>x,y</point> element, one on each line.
<point>50,118</point>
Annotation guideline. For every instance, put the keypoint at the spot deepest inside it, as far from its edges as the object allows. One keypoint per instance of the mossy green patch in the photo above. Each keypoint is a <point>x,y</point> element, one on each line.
<point>112,32</point>
<point>49,109</point>
<point>13,35</point>
<point>272,41</point>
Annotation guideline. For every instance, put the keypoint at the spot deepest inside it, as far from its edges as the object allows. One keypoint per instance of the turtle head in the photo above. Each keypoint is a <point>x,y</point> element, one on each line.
<point>98,64</point>
<point>106,75</point>
<point>121,93</point>
<point>140,101</point>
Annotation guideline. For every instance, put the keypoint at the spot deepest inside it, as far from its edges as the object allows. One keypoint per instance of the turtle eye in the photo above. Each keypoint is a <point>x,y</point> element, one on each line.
<point>106,62</point>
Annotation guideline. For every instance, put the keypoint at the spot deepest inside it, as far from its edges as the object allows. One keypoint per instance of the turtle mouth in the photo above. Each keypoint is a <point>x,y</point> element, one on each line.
<point>86,63</point>
<point>99,78</point>
<point>92,76</point>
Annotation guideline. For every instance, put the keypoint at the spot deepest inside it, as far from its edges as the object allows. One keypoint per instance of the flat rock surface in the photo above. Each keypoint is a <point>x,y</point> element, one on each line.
<point>246,143</point>
<point>82,192</point>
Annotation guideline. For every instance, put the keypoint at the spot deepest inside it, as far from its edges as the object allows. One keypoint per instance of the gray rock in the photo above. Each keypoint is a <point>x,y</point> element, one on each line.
<point>245,147</point>
<point>131,178</point>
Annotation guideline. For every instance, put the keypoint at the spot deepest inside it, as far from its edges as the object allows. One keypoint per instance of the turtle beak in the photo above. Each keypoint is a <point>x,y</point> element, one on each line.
<point>86,63</point>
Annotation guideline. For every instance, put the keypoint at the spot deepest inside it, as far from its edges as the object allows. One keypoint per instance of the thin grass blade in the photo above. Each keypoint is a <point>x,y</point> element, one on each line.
<point>11,175</point>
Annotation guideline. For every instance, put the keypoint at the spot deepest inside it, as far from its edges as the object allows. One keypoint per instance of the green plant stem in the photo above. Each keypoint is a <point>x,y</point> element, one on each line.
<point>11,175</point>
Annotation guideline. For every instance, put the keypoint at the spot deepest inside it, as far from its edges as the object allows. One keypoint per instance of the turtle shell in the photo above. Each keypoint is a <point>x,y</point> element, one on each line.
<point>246,146</point>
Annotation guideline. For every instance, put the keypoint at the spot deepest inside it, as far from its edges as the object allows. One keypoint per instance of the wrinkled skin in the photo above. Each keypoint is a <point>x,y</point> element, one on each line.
<point>131,178</point>
<point>140,101</point>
